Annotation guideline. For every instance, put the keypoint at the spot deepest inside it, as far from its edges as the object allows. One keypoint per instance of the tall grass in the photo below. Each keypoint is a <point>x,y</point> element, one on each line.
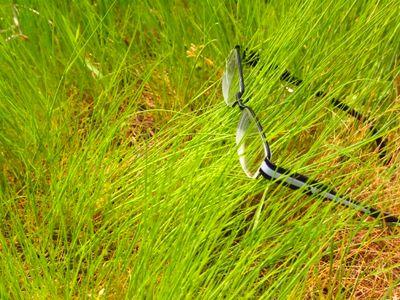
<point>119,169</point>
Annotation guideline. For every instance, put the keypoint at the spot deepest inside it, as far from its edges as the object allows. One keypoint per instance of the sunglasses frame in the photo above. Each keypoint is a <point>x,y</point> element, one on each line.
<point>294,180</point>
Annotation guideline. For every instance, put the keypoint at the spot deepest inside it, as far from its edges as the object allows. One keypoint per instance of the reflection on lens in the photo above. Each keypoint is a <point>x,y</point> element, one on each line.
<point>230,79</point>
<point>251,145</point>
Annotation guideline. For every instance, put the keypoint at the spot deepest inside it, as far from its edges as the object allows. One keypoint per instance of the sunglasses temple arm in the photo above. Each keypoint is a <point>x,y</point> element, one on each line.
<point>381,143</point>
<point>297,181</point>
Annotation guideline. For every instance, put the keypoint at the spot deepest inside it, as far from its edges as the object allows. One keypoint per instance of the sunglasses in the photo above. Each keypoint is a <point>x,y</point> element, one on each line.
<point>254,151</point>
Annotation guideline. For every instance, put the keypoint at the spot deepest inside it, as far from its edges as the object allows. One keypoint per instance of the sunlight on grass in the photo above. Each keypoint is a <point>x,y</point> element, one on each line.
<point>120,175</point>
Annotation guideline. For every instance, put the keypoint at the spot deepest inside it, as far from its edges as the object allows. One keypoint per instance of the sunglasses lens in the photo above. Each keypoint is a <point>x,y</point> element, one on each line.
<point>230,79</point>
<point>251,144</point>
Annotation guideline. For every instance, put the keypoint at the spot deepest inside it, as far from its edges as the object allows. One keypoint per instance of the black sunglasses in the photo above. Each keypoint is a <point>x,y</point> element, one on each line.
<point>254,151</point>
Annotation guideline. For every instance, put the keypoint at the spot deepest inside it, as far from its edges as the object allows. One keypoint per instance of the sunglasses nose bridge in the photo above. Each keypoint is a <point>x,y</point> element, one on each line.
<point>239,101</point>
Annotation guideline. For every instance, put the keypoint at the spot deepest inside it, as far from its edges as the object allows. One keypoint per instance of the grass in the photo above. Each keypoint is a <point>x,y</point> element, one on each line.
<point>119,169</point>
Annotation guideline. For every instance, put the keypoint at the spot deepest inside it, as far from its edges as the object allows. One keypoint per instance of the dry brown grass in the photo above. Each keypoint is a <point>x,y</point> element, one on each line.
<point>364,266</point>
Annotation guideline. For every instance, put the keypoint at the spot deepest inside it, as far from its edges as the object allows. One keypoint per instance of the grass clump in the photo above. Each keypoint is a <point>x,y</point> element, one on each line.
<point>119,169</point>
